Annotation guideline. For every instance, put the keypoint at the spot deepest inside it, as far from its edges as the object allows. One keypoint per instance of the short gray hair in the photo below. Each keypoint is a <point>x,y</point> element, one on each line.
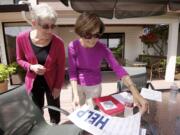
<point>43,11</point>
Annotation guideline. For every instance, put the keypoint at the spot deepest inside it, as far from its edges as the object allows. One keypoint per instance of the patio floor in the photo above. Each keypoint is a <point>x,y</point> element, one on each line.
<point>109,86</point>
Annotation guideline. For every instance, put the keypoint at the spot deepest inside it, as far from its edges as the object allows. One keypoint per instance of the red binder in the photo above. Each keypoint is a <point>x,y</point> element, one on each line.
<point>109,105</point>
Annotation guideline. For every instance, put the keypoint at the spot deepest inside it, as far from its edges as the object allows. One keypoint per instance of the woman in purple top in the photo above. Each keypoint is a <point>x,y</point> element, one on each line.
<point>85,56</point>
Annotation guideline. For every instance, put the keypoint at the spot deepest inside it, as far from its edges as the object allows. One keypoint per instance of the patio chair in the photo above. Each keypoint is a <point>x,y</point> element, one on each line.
<point>20,116</point>
<point>158,69</point>
<point>138,76</point>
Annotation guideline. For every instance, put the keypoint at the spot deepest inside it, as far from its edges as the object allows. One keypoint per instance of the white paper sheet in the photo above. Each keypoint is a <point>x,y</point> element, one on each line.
<point>98,123</point>
<point>142,131</point>
<point>151,94</point>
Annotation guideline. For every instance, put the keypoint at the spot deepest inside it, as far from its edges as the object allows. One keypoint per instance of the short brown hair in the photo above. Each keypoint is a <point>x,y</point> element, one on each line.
<point>87,23</point>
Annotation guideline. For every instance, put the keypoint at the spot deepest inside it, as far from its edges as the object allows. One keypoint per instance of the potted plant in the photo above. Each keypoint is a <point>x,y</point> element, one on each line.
<point>5,71</point>
<point>156,39</point>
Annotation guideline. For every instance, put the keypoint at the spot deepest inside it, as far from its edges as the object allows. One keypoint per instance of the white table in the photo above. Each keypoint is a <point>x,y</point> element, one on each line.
<point>162,84</point>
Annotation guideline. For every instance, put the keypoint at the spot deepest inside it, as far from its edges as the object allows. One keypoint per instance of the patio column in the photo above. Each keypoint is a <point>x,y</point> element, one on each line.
<point>33,2</point>
<point>172,51</point>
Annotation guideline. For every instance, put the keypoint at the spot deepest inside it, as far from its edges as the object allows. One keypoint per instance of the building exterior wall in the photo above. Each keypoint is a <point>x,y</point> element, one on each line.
<point>132,41</point>
<point>68,18</point>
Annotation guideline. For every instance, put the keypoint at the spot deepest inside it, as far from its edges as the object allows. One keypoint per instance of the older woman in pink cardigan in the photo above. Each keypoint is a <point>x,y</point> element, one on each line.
<point>41,53</point>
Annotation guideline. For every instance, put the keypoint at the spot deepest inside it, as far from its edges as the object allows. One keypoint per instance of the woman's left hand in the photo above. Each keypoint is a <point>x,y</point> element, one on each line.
<point>141,103</point>
<point>55,93</point>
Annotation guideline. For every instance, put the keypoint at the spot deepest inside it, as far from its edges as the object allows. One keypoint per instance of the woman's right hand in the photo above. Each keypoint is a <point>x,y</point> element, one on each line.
<point>38,69</point>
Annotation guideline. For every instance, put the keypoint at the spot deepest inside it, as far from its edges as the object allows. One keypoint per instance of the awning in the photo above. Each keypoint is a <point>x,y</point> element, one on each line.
<point>14,8</point>
<point>124,8</point>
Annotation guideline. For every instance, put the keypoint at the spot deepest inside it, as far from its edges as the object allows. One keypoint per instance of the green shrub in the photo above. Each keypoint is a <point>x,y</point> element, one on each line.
<point>5,71</point>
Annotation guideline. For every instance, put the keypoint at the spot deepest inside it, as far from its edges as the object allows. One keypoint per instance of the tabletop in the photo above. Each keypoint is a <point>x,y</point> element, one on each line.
<point>164,117</point>
<point>163,84</point>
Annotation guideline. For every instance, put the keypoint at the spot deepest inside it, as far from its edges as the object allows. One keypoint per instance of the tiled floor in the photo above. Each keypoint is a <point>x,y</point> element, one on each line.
<point>109,86</point>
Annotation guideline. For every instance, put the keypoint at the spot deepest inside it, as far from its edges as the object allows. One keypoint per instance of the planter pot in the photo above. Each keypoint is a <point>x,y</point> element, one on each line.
<point>3,86</point>
<point>17,79</point>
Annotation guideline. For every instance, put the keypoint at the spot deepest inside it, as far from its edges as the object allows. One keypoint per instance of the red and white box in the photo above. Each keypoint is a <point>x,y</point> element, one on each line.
<point>109,105</point>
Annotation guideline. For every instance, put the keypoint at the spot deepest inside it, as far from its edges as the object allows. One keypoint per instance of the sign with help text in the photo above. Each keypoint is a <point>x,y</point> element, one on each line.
<point>98,123</point>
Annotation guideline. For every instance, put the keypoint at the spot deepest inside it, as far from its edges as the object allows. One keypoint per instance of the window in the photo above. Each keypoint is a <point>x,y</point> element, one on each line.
<point>11,30</point>
<point>115,42</point>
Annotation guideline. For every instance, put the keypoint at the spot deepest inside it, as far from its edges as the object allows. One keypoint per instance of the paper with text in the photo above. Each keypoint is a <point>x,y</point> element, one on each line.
<point>98,123</point>
<point>151,94</point>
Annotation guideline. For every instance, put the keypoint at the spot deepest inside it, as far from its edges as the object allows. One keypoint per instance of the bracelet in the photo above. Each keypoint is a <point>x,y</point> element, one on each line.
<point>129,80</point>
<point>126,78</point>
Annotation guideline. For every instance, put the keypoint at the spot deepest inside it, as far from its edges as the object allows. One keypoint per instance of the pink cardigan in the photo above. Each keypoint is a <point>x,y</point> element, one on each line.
<point>55,62</point>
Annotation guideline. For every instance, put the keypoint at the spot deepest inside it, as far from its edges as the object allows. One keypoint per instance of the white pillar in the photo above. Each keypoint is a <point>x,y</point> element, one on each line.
<point>2,46</point>
<point>33,2</point>
<point>172,51</point>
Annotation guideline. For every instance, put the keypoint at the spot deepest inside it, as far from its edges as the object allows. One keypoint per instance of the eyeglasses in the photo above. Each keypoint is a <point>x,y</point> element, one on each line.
<point>47,26</point>
<point>90,36</point>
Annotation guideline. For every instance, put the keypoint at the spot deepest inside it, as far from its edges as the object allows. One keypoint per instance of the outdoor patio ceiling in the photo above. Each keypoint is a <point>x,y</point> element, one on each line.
<point>124,8</point>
